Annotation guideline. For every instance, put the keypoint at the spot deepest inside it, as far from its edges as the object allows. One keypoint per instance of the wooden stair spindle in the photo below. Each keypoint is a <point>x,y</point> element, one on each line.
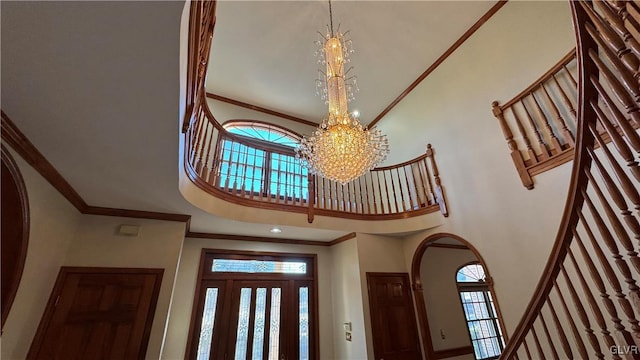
<point>194,155</point>
<point>370,191</point>
<point>560,330</point>
<point>582,349</point>
<point>419,186</point>
<point>311,181</point>
<point>542,145</point>
<point>429,190</point>
<point>526,349</point>
<point>609,41</point>
<point>386,190</point>
<point>410,190</point>
<point>625,182</point>
<point>536,341</point>
<point>610,274</point>
<point>629,132</point>
<point>547,334</point>
<point>625,76</point>
<point>555,143</point>
<point>354,196</point>
<point>618,89</point>
<point>439,190</point>
<point>516,154</point>
<point>593,305</point>
<point>621,146</point>
<point>401,190</point>
<point>571,77</point>
<point>214,174</point>
<point>629,12</point>
<point>621,233</point>
<point>565,98</point>
<point>609,239</point>
<point>367,198</point>
<point>562,125</point>
<point>617,23</point>
<point>346,197</point>
<point>533,157</point>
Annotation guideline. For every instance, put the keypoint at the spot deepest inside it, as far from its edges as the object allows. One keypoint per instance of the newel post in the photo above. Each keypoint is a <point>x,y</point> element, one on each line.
<point>440,199</point>
<point>312,196</point>
<point>516,155</point>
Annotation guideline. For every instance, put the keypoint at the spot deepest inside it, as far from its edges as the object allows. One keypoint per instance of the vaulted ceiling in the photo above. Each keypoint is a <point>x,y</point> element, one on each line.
<point>96,86</point>
<point>263,52</point>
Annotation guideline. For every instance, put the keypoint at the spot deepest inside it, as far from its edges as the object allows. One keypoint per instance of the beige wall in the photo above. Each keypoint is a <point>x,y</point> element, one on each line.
<point>437,272</point>
<point>182,303</point>
<point>157,245</point>
<point>61,236</point>
<point>53,223</point>
<point>347,301</point>
<point>377,254</point>
<point>488,205</point>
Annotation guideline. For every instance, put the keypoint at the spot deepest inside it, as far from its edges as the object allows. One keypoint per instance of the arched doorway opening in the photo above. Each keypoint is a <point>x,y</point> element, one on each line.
<point>442,320</point>
<point>15,230</point>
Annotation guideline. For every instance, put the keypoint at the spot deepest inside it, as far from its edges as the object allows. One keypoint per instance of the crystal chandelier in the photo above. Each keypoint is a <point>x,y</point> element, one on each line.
<point>341,149</point>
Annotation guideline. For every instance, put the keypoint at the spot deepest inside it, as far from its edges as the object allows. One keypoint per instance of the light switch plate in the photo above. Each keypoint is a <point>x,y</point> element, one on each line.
<point>348,336</point>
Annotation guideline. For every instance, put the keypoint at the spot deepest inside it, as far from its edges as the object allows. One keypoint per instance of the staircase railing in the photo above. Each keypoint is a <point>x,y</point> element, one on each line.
<point>539,123</point>
<point>202,20</point>
<point>248,172</point>
<point>252,173</point>
<point>587,303</point>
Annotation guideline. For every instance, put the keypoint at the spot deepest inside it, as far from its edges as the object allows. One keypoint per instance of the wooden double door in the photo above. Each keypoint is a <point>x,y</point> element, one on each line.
<point>252,319</point>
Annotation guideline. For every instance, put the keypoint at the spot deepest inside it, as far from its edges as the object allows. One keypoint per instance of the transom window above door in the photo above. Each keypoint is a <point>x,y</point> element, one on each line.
<point>259,266</point>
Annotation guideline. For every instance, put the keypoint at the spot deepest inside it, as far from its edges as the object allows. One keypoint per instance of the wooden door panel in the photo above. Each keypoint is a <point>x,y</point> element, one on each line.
<point>98,313</point>
<point>394,329</point>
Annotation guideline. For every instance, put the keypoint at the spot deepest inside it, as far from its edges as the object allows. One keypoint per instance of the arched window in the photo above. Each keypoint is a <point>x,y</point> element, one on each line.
<point>480,312</point>
<point>261,159</point>
<point>263,131</point>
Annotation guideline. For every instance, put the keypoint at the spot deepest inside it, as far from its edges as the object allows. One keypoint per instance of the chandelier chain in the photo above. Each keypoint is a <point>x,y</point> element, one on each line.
<point>331,18</point>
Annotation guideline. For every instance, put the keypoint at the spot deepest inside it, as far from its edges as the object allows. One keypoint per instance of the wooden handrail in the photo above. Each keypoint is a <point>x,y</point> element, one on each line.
<point>396,166</point>
<point>592,234</point>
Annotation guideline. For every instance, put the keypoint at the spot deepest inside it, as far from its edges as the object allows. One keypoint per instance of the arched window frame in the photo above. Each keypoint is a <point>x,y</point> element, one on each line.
<point>483,288</point>
<point>269,166</point>
<point>279,132</point>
